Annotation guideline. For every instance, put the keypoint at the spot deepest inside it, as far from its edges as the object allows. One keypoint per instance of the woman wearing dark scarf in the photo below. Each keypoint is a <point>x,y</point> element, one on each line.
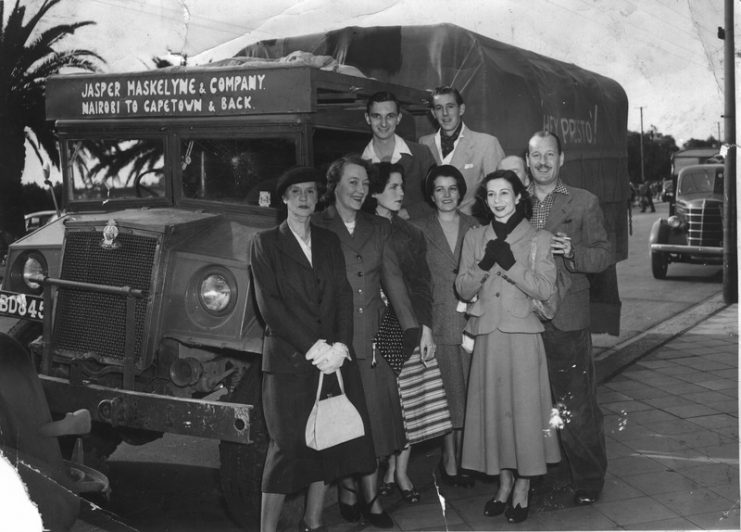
<point>507,430</point>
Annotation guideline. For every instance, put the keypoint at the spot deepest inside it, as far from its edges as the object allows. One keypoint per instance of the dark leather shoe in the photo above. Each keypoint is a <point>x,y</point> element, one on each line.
<point>584,497</point>
<point>382,520</point>
<point>349,512</point>
<point>517,514</point>
<point>493,507</point>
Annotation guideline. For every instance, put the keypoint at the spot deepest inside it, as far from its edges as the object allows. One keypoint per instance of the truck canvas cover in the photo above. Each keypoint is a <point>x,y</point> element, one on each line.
<point>510,93</point>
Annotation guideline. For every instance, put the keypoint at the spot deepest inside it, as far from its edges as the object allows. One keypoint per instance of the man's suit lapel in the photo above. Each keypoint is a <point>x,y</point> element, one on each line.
<point>559,211</point>
<point>463,151</point>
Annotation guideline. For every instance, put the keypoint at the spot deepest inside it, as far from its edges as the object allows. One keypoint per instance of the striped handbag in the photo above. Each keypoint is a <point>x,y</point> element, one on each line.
<point>424,404</point>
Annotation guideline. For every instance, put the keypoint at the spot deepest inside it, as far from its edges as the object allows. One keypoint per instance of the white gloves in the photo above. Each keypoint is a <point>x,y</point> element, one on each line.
<point>328,358</point>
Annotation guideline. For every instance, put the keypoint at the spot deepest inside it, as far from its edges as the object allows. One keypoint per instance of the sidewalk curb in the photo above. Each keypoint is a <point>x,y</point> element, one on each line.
<point>612,361</point>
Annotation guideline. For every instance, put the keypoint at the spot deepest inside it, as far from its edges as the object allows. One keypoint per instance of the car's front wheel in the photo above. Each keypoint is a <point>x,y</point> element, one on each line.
<point>659,264</point>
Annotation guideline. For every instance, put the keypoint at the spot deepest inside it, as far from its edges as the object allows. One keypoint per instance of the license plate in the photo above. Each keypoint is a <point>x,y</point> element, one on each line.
<point>23,306</point>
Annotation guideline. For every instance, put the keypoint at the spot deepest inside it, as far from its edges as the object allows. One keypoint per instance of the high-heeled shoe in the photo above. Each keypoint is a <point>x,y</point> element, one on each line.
<point>386,488</point>
<point>349,512</point>
<point>382,520</point>
<point>517,514</point>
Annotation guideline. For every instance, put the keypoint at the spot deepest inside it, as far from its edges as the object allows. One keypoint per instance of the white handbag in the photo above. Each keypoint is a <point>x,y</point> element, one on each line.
<point>333,420</point>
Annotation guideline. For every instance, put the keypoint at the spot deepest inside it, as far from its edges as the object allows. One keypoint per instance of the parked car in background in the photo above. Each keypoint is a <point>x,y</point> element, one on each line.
<point>694,232</point>
<point>34,220</point>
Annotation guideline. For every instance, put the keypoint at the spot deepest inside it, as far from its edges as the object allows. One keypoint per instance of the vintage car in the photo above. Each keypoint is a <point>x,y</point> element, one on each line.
<point>694,233</point>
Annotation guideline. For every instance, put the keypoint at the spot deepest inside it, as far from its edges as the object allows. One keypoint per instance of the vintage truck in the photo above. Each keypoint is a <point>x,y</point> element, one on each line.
<point>137,305</point>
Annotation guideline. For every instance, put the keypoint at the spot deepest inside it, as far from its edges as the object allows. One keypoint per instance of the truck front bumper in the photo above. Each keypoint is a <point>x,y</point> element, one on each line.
<point>687,250</point>
<point>160,413</point>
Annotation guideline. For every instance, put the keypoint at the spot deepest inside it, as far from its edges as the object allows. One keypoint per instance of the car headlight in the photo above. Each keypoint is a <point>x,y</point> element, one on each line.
<point>215,293</point>
<point>674,222</point>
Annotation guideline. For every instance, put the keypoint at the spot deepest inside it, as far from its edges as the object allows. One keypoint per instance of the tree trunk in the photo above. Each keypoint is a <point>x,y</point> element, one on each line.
<point>12,162</point>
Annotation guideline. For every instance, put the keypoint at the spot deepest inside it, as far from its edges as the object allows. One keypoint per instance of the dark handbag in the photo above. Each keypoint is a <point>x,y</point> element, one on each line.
<point>389,341</point>
<point>546,309</point>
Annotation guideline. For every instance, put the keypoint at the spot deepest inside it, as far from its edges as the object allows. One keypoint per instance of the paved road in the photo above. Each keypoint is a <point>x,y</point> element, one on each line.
<point>172,484</point>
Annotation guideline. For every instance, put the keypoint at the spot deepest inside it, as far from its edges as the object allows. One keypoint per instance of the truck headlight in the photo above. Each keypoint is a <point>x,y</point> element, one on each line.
<point>215,293</point>
<point>28,268</point>
<point>674,222</point>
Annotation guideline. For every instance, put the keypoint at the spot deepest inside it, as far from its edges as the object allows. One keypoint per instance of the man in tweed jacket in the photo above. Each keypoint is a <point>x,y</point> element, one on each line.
<point>574,217</point>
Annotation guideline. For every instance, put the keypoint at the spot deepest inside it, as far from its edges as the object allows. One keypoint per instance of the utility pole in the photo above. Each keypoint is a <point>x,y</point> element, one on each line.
<point>720,140</point>
<point>730,256</point>
<point>643,177</point>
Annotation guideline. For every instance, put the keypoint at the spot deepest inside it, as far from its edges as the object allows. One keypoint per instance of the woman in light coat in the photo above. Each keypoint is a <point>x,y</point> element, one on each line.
<point>505,264</point>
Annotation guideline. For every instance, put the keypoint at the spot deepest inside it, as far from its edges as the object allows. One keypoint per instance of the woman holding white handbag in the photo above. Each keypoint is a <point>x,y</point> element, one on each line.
<point>307,306</point>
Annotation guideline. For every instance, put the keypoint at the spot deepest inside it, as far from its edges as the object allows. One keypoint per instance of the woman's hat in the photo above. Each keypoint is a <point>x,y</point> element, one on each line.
<point>297,174</point>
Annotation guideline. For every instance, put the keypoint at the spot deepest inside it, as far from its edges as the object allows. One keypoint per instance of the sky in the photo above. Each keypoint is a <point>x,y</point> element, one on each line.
<point>664,53</point>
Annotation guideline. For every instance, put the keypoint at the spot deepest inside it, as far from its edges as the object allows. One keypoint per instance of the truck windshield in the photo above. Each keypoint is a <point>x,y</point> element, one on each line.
<point>235,170</point>
<point>115,169</point>
<point>704,181</point>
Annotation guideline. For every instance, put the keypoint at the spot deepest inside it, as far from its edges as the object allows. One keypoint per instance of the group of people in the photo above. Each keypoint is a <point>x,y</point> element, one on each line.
<point>398,235</point>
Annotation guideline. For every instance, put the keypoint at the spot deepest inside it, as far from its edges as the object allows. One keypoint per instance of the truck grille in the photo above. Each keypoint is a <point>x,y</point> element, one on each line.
<point>705,224</point>
<point>92,322</point>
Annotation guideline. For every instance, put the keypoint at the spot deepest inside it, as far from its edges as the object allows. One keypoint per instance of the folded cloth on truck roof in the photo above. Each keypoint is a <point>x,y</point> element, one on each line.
<point>296,58</point>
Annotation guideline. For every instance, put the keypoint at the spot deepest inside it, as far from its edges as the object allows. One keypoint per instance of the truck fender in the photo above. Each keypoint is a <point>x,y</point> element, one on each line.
<point>659,232</point>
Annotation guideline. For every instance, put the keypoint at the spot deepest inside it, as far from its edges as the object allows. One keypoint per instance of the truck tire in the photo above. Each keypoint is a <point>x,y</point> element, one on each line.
<point>659,264</point>
<point>242,464</point>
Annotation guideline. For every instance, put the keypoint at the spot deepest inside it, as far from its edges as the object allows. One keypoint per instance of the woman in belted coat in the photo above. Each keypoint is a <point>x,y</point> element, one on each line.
<point>444,230</point>
<point>306,303</point>
<point>369,261</point>
<point>507,429</point>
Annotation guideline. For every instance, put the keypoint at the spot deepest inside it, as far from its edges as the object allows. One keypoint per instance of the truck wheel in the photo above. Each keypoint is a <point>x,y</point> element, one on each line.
<point>659,265</point>
<point>242,464</point>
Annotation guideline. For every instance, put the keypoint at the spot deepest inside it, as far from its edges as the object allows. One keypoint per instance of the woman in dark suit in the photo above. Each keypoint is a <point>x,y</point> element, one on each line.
<point>306,303</point>
<point>385,200</point>
<point>444,230</point>
<point>369,260</point>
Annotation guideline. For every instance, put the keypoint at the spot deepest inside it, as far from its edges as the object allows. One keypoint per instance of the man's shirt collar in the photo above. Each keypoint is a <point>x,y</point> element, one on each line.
<point>400,148</point>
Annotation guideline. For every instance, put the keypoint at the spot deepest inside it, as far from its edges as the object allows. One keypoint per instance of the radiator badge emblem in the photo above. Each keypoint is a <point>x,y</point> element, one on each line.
<point>110,232</point>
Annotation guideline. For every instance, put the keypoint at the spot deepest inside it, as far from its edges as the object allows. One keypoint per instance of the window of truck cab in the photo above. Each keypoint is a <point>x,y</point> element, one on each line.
<point>123,169</point>
<point>237,169</point>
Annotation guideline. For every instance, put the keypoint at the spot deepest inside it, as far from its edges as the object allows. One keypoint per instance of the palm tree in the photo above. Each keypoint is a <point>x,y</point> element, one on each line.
<point>27,57</point>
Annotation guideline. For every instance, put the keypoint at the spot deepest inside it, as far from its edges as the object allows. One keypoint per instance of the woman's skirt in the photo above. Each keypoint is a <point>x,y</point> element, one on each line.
<point>287,401</point>
<point>384,407</point>
<point>509,406</point>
